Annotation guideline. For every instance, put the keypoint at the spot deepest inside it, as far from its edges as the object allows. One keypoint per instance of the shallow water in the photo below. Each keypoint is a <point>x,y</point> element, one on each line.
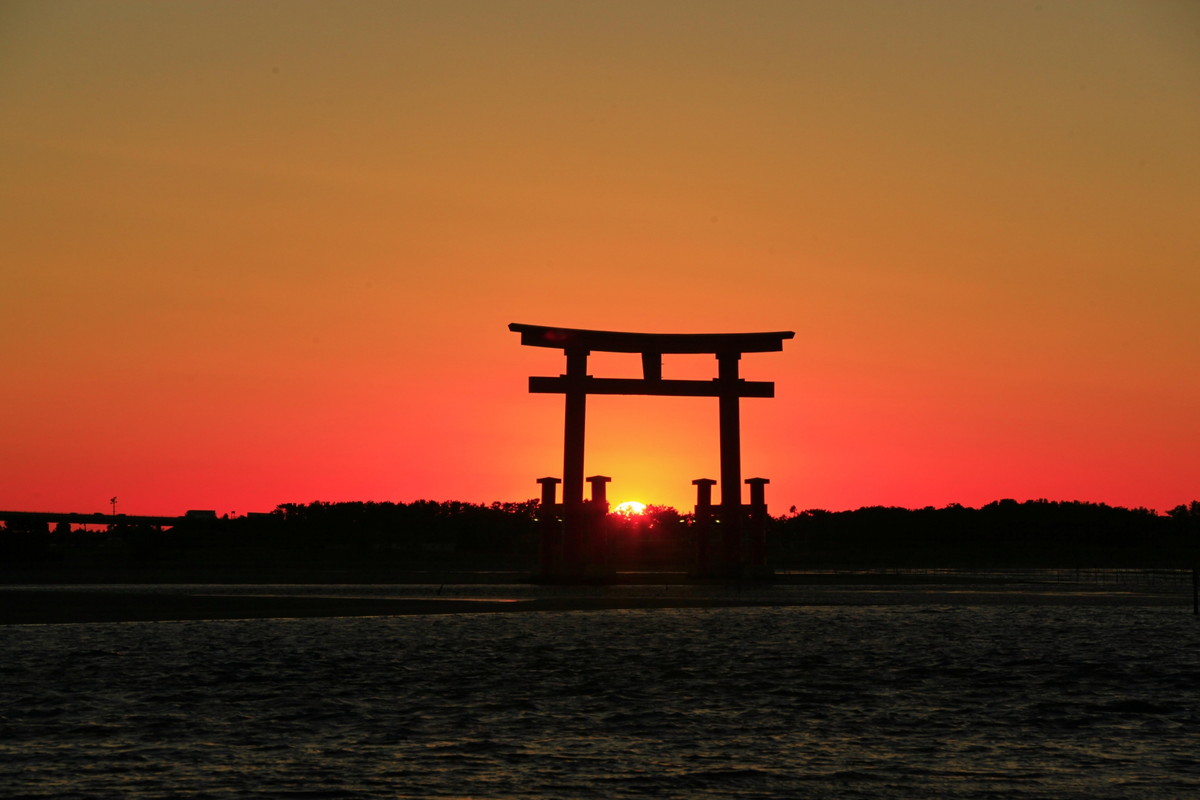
<point>838,702</point>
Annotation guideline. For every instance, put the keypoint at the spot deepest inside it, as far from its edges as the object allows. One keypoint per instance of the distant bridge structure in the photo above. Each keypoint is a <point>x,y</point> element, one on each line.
<point>97,518</point>
<point>730,537</point>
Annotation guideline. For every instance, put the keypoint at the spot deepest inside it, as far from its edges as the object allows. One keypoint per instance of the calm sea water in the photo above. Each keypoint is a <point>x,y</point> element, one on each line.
<point>896,701</point>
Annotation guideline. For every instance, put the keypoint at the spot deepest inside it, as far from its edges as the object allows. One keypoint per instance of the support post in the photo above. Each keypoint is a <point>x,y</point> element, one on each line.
<point>652,366</point>
<point>594,530</point>
<point>702,529</point>
<point>757,528</point>
<point>758,494</point>
<point>549,530</point>
<point>599,491</point>
<point>549,493</point>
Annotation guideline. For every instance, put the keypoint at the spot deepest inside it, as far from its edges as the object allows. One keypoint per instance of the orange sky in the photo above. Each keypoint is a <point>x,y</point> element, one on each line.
<point>256,253</point>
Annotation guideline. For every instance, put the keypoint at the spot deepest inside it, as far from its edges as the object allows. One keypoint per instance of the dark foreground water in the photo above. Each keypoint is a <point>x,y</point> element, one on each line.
<point>824,702</point>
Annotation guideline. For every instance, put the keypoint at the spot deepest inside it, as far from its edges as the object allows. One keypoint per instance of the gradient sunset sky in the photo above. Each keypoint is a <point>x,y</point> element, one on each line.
<point>256,253</point>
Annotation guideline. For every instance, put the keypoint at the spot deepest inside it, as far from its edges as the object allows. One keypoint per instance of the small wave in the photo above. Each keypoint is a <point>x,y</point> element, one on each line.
<point>1134,707</point>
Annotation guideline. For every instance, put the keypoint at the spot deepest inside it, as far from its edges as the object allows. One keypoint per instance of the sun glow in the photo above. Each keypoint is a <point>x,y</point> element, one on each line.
<point>630,508</point>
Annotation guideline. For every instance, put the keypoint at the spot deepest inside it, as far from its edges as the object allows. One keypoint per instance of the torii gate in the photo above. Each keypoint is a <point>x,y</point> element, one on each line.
<point>576,385</point>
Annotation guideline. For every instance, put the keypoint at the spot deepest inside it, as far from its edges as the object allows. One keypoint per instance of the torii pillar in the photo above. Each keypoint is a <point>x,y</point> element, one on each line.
<point>575,422</point>
<point>730,426</point>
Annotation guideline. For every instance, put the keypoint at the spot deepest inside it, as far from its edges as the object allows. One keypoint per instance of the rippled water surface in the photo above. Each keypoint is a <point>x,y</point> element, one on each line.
<point>838,702</point>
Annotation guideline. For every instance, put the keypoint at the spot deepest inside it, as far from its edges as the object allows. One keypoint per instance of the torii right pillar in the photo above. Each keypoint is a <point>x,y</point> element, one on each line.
<point>743,545</point>
<point>732,546</point>
<point>730,425</point>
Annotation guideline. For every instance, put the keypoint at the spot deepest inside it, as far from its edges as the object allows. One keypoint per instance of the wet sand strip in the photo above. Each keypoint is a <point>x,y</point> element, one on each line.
<point>24,607</point>
<point>58,606</point>
<point>33,607</point>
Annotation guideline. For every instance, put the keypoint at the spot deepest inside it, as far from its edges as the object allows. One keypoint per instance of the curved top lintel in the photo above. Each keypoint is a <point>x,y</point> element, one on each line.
<point>626,342</point>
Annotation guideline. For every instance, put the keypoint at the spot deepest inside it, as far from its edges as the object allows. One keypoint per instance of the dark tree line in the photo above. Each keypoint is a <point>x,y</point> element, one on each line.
<point>1036,533</point>
<point>382,537</point>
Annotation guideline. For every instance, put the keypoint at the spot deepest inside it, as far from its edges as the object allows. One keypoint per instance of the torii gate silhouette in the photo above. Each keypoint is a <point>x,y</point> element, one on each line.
<point>576,385</point>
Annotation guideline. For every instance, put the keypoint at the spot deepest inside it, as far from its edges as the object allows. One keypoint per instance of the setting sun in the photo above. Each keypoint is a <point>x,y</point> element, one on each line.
<point>630,508</point>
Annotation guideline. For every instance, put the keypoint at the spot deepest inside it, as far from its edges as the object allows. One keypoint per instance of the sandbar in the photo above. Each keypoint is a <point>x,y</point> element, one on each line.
<point>60,605</point>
